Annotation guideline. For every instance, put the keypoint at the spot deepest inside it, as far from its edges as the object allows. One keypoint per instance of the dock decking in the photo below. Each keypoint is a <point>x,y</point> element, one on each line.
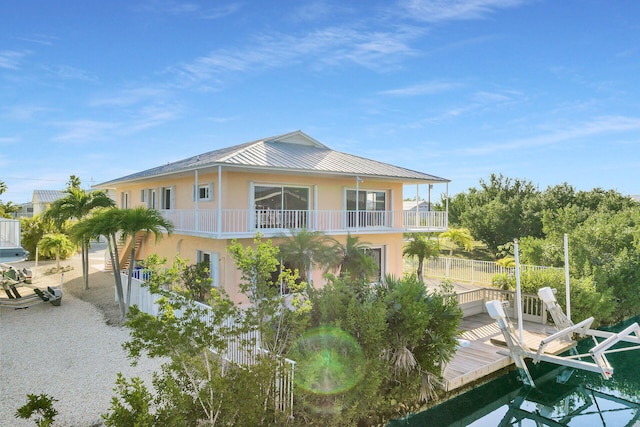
<point>484,354</point>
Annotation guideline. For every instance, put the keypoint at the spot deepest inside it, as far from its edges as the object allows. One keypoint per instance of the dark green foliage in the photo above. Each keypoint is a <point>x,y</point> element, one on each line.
<point>196,280</point>
<point>40,405</point>
<point>31,231</point>
<point>405,334</point>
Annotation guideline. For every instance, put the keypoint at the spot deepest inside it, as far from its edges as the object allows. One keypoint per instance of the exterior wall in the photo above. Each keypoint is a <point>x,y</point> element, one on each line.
<point>236,187</point>
<point>325,191</point>
<point>229,276</point>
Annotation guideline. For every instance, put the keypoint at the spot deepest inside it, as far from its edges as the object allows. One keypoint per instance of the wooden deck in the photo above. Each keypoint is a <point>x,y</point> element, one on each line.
<point>487,353</point>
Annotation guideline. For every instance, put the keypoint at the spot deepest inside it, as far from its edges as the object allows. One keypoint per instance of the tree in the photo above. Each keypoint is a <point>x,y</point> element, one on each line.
<point>421,247</point>
<point>105,222</point>
<point>459,237</point>
<point>136,220</point>
<point>354,261</point>
<point>421,333</point>
<point>57,244</point>
<point>277,322</point>
<point>76,205</point>
<point>3,187</point>
<point>74,182</point>
<point>305,248</point>
<point>501,210</point>
<point>32,229</point>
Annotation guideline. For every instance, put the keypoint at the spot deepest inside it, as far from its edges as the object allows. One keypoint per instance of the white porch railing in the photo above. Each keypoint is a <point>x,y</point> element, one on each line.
<point>243,350</point>
<point>466,270</point>
<point>473,302</point>
<point>244,221</point>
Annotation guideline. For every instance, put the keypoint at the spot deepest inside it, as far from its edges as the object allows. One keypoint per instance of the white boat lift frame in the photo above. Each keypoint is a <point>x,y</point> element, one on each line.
<point>599,363</point>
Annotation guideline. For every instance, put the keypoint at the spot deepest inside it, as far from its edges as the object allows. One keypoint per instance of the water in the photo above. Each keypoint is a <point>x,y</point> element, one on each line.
<point>562,397</point>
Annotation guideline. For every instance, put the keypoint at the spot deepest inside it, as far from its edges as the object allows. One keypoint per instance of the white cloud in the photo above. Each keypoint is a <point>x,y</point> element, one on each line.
<point>428,88</point>
<point>10,59</point>
<point>449,10</point>
<point>596,127</point>
<point>333,46</point>
<point>84,131</point>
<point>128,97</point>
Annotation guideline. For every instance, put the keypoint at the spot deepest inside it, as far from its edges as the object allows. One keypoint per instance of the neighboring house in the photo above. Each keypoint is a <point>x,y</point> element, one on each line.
<point>272,186</point>
<point>24,210</point>
<point>42,199</point>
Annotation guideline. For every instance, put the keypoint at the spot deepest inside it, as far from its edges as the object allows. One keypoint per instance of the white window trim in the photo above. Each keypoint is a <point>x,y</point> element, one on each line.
<point>196,192</point>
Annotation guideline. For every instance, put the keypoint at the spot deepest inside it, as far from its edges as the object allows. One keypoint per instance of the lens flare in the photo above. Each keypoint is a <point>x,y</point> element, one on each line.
<point>329,361</point>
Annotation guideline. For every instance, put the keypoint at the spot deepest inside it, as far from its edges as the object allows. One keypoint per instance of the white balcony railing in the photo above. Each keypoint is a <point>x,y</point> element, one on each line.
<point>243,221</point>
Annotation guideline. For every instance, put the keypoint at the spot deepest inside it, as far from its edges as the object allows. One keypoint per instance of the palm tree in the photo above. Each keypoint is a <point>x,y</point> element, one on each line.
<point>106,223</point>
<point>304,249</point>
<point>354,261</point>
<point>134,221</point>
<point>459,237</point>
<point>421,247</point>
<point>55,243</point>
<point>77,204</point>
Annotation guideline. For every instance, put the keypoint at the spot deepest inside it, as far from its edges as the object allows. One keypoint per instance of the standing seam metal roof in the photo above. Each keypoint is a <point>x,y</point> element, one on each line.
<point>279,153</point>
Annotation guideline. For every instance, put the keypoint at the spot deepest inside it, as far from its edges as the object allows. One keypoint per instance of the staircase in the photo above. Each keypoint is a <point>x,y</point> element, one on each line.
<point>124,251</point>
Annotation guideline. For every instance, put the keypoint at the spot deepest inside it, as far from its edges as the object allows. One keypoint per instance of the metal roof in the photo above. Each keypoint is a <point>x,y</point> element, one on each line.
<point>47,196</point>
<point>292,152</point>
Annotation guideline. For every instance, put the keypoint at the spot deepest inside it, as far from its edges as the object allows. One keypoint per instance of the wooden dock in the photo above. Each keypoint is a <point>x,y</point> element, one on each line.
<point>487,353</point>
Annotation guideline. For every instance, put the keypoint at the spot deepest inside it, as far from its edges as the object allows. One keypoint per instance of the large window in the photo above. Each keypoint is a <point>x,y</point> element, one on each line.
<point>281,207</point>
<point>371,207</point>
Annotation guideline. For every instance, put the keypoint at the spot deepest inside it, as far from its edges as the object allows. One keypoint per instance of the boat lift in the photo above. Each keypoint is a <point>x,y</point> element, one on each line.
<point>595,360</point>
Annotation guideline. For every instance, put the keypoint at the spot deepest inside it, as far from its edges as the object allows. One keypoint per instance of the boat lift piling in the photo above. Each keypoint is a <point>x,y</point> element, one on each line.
<point>567,331</point>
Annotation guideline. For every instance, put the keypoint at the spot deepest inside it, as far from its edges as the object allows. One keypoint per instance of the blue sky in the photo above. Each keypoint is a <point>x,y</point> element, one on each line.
<point>542,90</point>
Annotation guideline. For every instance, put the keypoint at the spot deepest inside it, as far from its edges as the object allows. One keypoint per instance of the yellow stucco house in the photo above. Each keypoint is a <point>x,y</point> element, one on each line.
<point>272,186</point>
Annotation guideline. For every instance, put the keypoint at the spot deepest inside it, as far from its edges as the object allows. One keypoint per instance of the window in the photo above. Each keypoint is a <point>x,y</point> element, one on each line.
<point>124,200</point>
<point>142,194</point>
<point>377,255</point>
<point>153,199</point>
<point>204,192</point>
<point>167,198</point>
<point>212,258</point>
<point>281,207</point>
<point>371,206</point>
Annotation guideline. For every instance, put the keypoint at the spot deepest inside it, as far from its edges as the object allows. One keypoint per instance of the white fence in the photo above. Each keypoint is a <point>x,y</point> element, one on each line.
<point>473,302</point>
<point>244,350</point>
<point>465,270</point>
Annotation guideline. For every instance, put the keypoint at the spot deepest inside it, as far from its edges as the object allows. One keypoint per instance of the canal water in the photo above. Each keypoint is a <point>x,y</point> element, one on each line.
<point>562,397</point>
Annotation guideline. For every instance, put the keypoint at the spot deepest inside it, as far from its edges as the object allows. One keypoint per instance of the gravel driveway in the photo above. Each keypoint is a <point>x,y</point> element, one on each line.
<point>71,352</point>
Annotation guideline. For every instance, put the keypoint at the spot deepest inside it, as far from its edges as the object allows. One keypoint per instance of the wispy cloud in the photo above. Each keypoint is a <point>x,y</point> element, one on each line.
<point>191,9</point>
<point>85,130</point>
<point>41,39</point>
<point>449,10</point>
<point>10,59</point>
<point>66,72</point>
<point>332,46</point>
<point>428,88</point>
<point>8,140</point>
<point>23,112</point>
<point>596,127</point>
<point>128,97</point>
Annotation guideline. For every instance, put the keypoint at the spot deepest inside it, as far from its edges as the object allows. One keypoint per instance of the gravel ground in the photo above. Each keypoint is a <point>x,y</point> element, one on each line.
<point>71,352</point>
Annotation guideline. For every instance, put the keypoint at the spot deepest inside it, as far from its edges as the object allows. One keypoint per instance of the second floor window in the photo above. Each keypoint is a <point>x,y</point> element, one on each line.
<point>371,207</point>
<point>280,206</point>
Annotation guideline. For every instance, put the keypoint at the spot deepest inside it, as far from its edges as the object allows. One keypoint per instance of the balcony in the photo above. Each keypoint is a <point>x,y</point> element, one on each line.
<point>230,223</point>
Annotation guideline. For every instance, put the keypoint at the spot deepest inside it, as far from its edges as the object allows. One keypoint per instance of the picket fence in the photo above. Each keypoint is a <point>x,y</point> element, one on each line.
<point>466,270</point>
<point>244,350</point>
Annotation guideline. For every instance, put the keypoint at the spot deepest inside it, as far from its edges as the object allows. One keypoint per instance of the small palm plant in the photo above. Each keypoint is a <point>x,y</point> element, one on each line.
<point>56,244</point>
